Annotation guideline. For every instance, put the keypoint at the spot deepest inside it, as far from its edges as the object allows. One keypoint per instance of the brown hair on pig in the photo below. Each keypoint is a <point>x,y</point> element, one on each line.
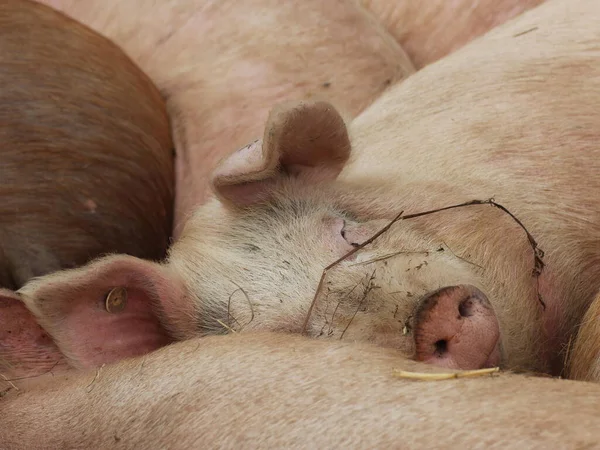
<point>85,148</point>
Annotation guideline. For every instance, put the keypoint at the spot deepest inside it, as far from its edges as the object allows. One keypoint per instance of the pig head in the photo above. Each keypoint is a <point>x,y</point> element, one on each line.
<point>275,235</point>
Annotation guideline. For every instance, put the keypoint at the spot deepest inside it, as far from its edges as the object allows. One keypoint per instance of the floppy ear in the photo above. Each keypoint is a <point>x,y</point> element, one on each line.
<point>108,310</point>
<point>25,348</point>
<point>306,140</point>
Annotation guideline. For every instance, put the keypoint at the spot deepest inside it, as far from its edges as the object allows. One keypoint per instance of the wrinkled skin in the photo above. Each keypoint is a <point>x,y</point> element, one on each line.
<point>270,391</point>
<point>296,196</point>
<point>221,65</point>
<point>73,139</point>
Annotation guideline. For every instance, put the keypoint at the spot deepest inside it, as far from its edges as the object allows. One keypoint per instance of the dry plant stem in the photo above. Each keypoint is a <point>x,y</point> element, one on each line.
<point>538,253</point>
<point>33,376</point>
<point>385,257</point>
<point>444,376</point>
<point>335,263</point>
<point>249,303</point>
<point>460,257</point>
<point>9,382</point>
<point>89,387</point>
<point>366,292</point>
<point>338,305</point>
<point>567,354</point>
<point>228,328</point>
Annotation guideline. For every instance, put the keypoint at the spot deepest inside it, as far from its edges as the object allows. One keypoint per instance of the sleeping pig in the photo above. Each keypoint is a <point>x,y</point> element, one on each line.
<point>86,163</point>
<point>513,118</point>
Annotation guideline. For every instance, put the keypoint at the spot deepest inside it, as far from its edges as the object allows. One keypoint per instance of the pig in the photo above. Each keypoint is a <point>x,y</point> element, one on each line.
<point>583,358</point>
<point>464,288</point>
<point>222,65</point>
<point>430,30</point>
<point>283,391</point>
<point>86,160</point>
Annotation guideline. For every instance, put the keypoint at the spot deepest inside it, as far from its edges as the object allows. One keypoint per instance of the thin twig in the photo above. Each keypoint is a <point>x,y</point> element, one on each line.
<point>366,292</point>
<point>444,376</point>
<point>567,354</point>
<point>249,303</point>
<point>98,370</point>
<point>220,322</point>
<point>538,253</point>
<point>9,382</point>
<point>525,32</point>
<point>325,313</point>
<point>335,263</point>
<point>229,316</point>
<point>39,374</point>
<point>338,305</point>
<point>460,257</point>
<point>388,256</point>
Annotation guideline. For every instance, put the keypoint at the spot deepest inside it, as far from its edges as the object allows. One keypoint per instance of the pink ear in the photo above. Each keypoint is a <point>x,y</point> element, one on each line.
<point>307,140</point>
<point>107,310</point>
<point>25,348</point>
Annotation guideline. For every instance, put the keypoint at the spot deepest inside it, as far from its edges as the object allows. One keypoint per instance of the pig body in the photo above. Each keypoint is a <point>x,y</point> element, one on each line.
<point>222,65</point>
<point>278,391</point>
<point>86,164</point>
<point>462,288</point>
<point>430,30</point>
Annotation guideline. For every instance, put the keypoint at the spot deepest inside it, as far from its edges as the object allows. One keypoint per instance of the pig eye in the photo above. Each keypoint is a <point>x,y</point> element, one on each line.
<point>346,237</point>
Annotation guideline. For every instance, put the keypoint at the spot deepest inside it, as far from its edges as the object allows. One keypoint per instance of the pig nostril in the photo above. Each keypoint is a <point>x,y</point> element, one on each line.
<point>465,308</point>
<point>441,347</point>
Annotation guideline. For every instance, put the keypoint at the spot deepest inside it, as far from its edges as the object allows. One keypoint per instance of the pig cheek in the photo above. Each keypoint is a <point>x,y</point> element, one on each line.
<point>374,328</point>
<point>392,334</point>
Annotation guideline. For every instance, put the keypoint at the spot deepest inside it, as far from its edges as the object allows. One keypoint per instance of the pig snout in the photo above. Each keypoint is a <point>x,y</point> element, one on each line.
<point>456,327</point>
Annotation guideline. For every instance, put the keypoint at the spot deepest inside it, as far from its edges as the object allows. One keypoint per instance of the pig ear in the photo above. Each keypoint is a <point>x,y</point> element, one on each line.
<point>305,140</point>
<point>107,310</point>
<point>25,348</point>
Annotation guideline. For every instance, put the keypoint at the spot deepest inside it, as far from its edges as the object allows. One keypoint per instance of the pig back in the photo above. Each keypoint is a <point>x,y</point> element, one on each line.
<point>86,161</point>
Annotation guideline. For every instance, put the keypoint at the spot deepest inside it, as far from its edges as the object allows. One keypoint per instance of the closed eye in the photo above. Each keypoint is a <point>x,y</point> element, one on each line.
<point>343,233</point>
